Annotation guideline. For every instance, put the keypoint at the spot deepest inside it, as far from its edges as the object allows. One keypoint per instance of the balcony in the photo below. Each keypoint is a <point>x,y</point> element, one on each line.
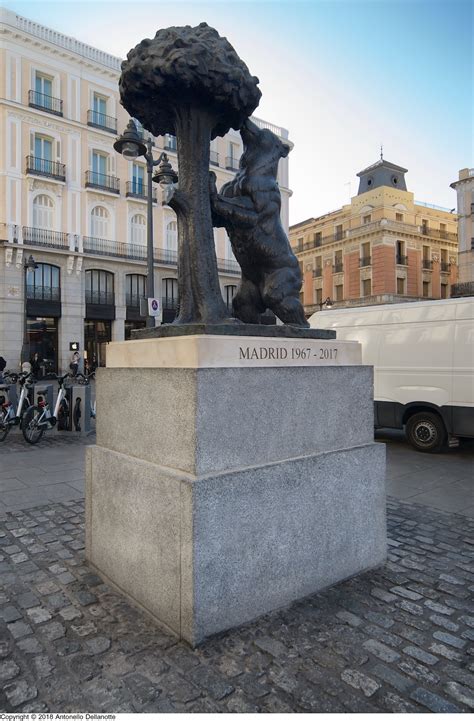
<point>317,273</point>
<point>462,290</point>
<point>43,292</point>
<point>101,121</point>
<point>231,163</point>
<point>402,260</point>
<point>214,157</point>
<point>132,300</point>
<point>103,182</point>
<point>365,261</point>
<point>170,143</point>
<point>139,191</point>
<point>445,267</point>
<point>439,234</point>
<point>170,303</point>
<point>427,264</point>
<point>100,297</point>
<point>45,238</point>
<point>45,168</point>
<point>227,265</point>
<point>337,268</point>
<point>45,102</point>
<point>103,246</point>
<point>338,235</point>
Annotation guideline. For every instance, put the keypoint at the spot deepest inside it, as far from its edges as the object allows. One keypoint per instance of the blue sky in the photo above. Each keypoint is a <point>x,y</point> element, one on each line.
<point>343,76</point>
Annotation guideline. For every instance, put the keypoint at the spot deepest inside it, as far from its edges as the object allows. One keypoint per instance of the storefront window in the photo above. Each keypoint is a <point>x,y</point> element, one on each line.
<point>97,333</point>
<point>43,339</point>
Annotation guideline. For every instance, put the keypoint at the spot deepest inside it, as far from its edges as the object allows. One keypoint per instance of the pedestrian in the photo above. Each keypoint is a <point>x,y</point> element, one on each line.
<point>35,366</point>
<point>3,365</point>
<point>74,364</point>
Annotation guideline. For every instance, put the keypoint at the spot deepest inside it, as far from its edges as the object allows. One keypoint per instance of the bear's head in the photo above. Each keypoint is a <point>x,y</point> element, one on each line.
<point>262,149</point>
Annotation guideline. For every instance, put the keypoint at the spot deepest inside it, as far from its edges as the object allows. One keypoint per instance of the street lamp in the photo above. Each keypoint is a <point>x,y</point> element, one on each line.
<point>131,147</point>
<point>326,303</point>
<point>29,266</point>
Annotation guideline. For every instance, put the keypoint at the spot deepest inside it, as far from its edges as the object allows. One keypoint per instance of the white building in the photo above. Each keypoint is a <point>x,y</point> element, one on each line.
<point>464,188</point>
<point>70,200</point>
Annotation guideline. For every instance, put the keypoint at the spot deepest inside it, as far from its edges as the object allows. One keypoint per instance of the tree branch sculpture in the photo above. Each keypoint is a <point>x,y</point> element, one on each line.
<point>191,83</point>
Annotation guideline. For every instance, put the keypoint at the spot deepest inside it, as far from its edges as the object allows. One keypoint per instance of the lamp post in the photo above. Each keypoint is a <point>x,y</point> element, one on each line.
<point>29,266</point>
<point>326,303</point>
<point>131,147</point>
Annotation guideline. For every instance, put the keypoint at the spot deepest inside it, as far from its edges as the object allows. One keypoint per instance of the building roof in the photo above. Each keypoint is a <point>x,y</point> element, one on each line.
<point>382,163</point>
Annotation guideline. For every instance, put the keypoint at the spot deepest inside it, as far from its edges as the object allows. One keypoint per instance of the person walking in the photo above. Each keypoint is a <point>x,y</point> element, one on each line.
<point>35,366</point>
<point>74,364</point>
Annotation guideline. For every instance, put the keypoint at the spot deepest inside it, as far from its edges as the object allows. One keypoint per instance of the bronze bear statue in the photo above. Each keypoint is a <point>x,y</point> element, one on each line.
<point>248,207</point>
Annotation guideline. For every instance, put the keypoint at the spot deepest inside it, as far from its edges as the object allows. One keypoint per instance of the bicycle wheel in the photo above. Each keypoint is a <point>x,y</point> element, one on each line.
<point>32,432</point>
<point>4,428</point>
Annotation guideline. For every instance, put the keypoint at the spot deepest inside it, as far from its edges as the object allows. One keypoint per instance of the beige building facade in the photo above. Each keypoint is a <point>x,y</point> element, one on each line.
<point>464,188</point>
<point>78,207</point>
<point>381,247</point>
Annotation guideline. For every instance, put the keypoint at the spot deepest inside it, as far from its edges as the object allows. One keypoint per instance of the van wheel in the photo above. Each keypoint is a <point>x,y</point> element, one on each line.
<point>426,432</point>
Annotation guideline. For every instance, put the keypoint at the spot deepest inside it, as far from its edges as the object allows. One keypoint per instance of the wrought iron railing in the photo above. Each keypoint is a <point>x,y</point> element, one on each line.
<point>134,189</point>
<point>43,292</point>
<point>133,299</point>
<point>445,267</point>
<point>365,261</point>
<point>169,303</point>
<point>228,266</point>
<point>44,237</point>
<point>100,297</point>
<point>427,264</point>
<point>104,182</point>
<point>47,168</point>
<point>45,102</point>
<point>317,273</point>
<point>99,120</point>
<point>337,268</point>
<point>402,260</point>
<point>459,290</point>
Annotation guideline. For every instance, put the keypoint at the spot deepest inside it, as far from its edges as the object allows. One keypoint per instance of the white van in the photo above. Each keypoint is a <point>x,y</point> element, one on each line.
<point>423,358</point>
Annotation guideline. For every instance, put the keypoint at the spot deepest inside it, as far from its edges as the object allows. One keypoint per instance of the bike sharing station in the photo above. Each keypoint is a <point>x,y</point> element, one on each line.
<point>37,408</point>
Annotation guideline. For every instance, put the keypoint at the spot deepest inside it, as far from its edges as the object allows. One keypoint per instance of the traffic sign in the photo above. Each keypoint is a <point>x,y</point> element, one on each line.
<point>154,307</point>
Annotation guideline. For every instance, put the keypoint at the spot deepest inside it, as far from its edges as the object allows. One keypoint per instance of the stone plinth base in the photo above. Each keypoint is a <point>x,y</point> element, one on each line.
<point>217,494</point>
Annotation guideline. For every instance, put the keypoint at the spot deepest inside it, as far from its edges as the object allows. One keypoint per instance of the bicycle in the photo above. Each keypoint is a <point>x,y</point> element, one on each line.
<point>38,419</point>
<point>8,416</point>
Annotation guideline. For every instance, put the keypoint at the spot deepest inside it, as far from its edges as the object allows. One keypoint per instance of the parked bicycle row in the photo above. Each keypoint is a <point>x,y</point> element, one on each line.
<point>33,410</point>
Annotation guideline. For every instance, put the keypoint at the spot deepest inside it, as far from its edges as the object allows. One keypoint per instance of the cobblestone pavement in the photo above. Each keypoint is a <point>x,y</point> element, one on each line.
<point>396,639</point>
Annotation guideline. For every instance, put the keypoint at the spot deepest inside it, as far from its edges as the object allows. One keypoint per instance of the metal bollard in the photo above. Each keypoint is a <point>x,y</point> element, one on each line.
<point>9,390</point>
<point>44,391</point>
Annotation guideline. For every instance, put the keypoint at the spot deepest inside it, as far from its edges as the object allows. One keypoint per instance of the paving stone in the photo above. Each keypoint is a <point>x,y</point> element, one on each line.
<point>383,595</point>
<point>66,647</point>
<point>396,704</point>
<point>97,645</point>
<point>29,645</point>
<point>444,622</point>
<point>240,703</point>
<point>84,629</point>
<point>359,680</point>
<point>215,684</point>
<point>421,655</point>
<point>441,650</point>
<point>9,614</point>
<point>8,670</point>
<point>19,692</point>
<point>70,613</point>
<point>412,608</point>
<point>43,666</point>
<point>433,702</point>
<point>4,649</point>
<point>418,672</point>
<point>460,693</point>
<point>38,614</point>
<point>52,631</point>
<point>348,617</point>
<point>384,653</point>
<point>392,677</point>
<point>85,598</point>
<point>405,593</point>
<point>439,608</point>
<point>272,646</point>
<point>18,629</point>
<point>449,639</point>
<point>378,618</point>
<point>142,689</point>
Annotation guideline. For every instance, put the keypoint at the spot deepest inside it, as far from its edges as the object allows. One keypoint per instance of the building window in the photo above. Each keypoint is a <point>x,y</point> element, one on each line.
<point>339,292</point>
<point>338,232</point>
<point>44,283</point>
<point>138,230</point>
<point>99,108</point>
<point>366,219</point>
<point>135,288</point>
<point>399,217</point>
<point>230,291</point>
<point>43,212</point>
<point>338,262</point>
<point>99,167</point>
<point>366,287</point>
<point>319,296</point>
<point>442,230</point>
<point>401,258</point>
<point>318,239</point>
<point>138,179</point>
<point>170,142</point>
<point>100,222</point>
<point>472,243</point>
<point>424,227</point>
<point>426,289</point>
<point>401,286</point>
<point>444,290</point>
<point>232,160</point>
<point>100,287</point>
<point>318,271</point>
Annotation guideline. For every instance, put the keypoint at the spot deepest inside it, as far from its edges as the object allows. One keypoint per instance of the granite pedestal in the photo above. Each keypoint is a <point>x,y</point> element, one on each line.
<point>232,476</point>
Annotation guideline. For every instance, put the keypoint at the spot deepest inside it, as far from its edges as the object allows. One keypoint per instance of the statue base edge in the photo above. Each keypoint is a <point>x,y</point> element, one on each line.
<point>172,330</point>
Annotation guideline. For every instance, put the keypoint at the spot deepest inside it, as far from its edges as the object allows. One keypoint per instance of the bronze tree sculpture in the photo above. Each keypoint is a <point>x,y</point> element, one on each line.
<point>191,83</point>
